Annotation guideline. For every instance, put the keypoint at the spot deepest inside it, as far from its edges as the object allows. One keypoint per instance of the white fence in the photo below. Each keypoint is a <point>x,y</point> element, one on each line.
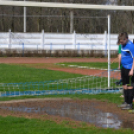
<point>57,41</point>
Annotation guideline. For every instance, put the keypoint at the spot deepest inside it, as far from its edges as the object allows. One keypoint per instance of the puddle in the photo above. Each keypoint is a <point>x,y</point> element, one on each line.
<point>84,113</point>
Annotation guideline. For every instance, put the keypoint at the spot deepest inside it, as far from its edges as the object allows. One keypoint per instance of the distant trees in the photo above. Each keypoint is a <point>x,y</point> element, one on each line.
<point>58,19</point>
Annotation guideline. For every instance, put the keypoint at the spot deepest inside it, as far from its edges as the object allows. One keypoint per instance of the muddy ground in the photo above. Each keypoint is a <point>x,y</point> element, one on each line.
<point>98,113</point>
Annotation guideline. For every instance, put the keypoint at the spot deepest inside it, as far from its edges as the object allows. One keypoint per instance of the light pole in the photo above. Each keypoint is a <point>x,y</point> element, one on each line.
<point>24,19</point>
<point>71,19</point>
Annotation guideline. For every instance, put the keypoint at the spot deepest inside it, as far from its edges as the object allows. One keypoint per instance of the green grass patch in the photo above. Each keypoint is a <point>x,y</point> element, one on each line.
<point>35,126</point>
<point>98,65</point>
<point>112,98</point>
<point>23,78</point>
<point>19,73</point>
<point>91,83</point>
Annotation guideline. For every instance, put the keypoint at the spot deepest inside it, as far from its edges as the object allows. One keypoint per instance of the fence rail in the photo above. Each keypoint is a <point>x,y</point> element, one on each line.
<point>57,41</point>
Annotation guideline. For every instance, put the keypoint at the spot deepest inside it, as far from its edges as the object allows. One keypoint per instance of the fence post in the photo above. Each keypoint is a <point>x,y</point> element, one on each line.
<point>42,39</point>
<point>74,40</point>
<point>78,47</point>
<point>23,49</point>
<point>10,37</point>
<point>51,46</point>
<point>37,48</point>
<point>105,43</point>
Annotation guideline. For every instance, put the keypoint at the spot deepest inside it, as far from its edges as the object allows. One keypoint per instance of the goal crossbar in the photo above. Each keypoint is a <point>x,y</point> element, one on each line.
<point>65,5</point>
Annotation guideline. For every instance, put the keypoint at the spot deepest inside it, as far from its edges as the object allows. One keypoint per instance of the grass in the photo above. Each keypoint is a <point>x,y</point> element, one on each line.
<point>112,98</point>
<point>19,73</point>
<point>26,78</point>
<point>90,82</point>
<point>34,126</point>
<point>98,65</point>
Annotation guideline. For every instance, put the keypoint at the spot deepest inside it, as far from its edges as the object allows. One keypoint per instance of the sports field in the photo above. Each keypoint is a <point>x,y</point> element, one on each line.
<point>57,114</point>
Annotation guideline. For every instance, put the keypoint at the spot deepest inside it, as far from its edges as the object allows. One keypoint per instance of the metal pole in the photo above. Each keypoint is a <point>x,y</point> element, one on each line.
<point>132,20</point>
<point>24,19</point>
<point>71,21</point>
<point>109,51</point>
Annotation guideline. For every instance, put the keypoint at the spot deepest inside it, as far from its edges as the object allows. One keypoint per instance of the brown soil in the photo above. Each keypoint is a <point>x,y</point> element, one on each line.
<point>51,60</point>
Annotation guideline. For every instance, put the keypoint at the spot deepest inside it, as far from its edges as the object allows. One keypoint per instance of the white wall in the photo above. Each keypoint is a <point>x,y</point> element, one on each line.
<point>57,41</point>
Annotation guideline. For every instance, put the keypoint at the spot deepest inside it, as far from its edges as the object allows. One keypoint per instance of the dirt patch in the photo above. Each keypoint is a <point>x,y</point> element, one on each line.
<point>96,72</point>
<point>51,60</point>
<point>94,112</point>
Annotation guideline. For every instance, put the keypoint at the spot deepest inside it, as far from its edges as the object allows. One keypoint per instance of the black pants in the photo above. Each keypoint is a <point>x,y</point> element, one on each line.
<point>126,79</point>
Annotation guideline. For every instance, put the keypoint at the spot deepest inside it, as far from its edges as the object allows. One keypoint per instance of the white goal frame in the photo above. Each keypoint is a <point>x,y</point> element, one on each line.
<point>65,5</point>
<point>73,6</point>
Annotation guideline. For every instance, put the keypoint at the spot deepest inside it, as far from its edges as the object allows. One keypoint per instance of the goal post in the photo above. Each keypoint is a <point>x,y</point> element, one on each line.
<point>109,19</point>
<point>65,5</point>
<point>73,6</point>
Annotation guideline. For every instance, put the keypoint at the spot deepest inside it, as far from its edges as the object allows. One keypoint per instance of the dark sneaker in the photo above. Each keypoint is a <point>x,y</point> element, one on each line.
<point>124,104</point>
<point>128,107</point>
<point>118,82</point>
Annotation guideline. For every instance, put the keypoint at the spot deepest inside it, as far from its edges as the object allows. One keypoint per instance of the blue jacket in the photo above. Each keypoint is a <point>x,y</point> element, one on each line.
<point>127,55</point>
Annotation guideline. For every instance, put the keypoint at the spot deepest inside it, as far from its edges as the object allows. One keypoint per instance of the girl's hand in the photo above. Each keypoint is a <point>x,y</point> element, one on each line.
<point>131,72</point>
